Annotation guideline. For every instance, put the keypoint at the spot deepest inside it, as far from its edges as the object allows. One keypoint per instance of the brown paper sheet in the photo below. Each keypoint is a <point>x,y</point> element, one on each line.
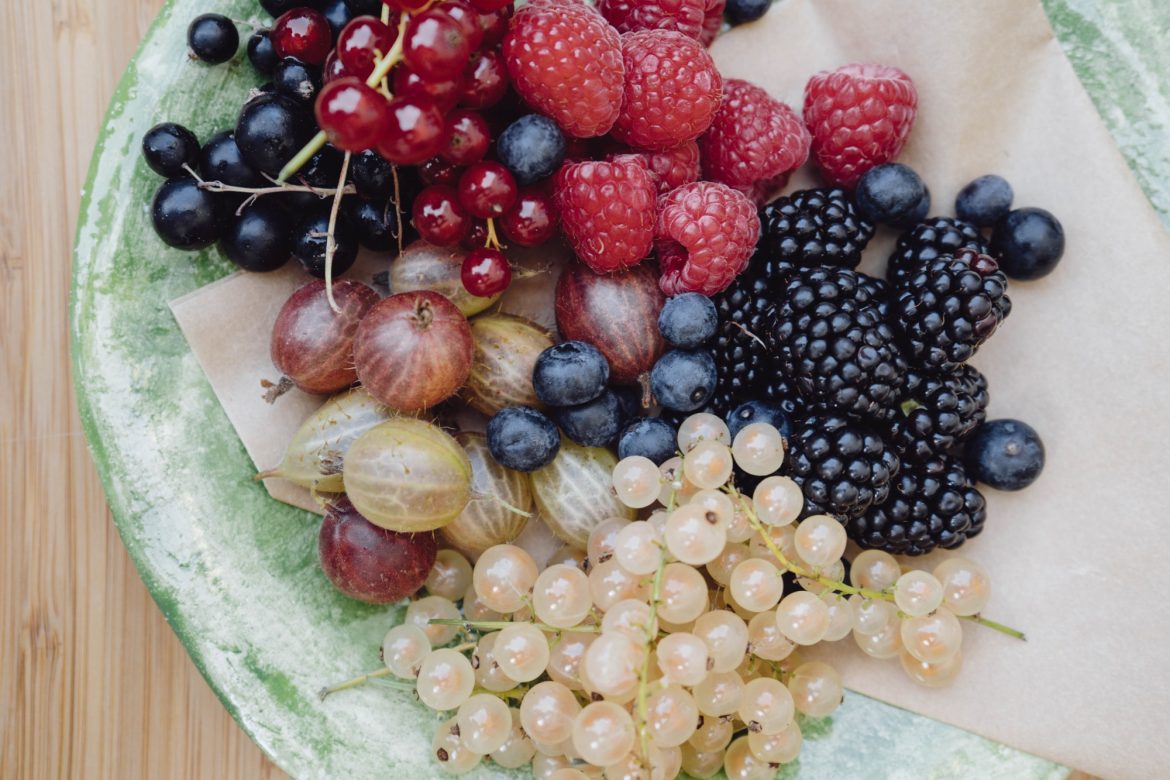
<point>1077,559</point>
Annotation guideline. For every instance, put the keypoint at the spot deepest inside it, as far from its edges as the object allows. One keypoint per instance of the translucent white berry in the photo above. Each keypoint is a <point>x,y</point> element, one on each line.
<point>708,465</point>
<point>693,535</point>
<point>485,723</point>
<point>713,734</point>
<point>683,658</point>
<point>719,693</point>
<point>816,688</point>
<point>756,584</point>
<point>609,583</point>
<point>503,576</point>
<point>452,755</point>
<point>547,712</point>
<point>820,540</point>
<point>741,764</point>
<point>701,765</point>
<point>930,675</point>
<point>803,617</point>
<point>517,750</point>
<point>671,716</point>
<point>759,449</point>
<point>966,585</point>
<point>918,593</point>
<point>612,664</point>
<point>780,748</point>
<point>560,596</point>
<point>871,616</point>
<point>638,548</point>
<point>933,638</point>
<point>630,617</point>
<point>602,539</point>
<point>603,733</point>
<point>564,659</point>
<point>445,680</point>
<point>403,650</point>
<point>450,576</point>
<point>725,562</point>
<point>766,640</point>
<point>726,637</point>
<point>766,705</point>
<point>522,651</point>
<point>881,644</point>
<point>683,594</point>
<point>636,481</point>
<point>874,570</point>
<point>702,427</point>
<point>777,501</point>
<point>675,484</point>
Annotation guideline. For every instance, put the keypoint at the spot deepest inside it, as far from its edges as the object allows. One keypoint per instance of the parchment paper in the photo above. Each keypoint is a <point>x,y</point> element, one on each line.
<point>1078,560</point>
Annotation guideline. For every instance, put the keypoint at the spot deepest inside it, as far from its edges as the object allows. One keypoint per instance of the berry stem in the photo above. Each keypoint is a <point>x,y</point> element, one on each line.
<point>1000,627</point>
<point>492,241</point>
<point>330,240</point>
<point>495,625</point>
<point>362,680</point>
<point>397,191</point>
<point>259,192</point>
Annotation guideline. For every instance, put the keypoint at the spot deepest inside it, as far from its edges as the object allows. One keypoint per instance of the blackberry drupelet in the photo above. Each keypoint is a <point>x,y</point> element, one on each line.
<point>830,334</point>
<point>929,241</point>
<point>939,411</point>
<point>950,307</point>
<point>932,504</point>
<point>814,227</point>
<point>843,466</point>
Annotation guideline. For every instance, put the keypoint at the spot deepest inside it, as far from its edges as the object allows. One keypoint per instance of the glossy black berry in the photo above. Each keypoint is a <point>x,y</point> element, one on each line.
<point>688,320</point>
<point>1005,454</point>
<point>569,374</point>
<point>1028,243</point>
<point>376,224</point>
<point>337,13</point>
<point>649,437</point>
<point>271,130</point>
<point>168,147</point>
<point>522,439</point>
<point>927,241</point>
<point>185,216</point>
<point>843,466</point>
<point>532,148</point>
<point>759,412</point>
<point>277,7</point>
<point>261,53</point>
<point>939,410</point>
<point>743,11</point>
<point>296,80</point>
<point>984,201</point>
<point>309,243</point>
<point>221,160</point>
<point>592,424</point>
<point>323,170</point>
<point>892,194</point>
<point>213,38</point>
<point>814,227</point>
<point>372,175</point>
<point>260,239</point>
<point>684,380</point>
<point>364,7</point>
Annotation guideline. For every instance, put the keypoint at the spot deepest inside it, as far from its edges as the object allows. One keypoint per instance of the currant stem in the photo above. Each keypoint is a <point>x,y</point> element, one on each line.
<point>495,625</point>
<point>359,681</point>
<point>493,240</point>
<point>330,240</point>
<point>397,194</point>
<point>303,156</point>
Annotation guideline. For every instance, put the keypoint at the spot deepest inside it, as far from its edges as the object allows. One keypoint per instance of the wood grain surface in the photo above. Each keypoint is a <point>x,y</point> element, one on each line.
<point>93,683</point>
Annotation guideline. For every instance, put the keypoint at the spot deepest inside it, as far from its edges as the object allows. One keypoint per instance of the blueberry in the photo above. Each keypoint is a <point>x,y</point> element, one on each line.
<point>683,380</point>
<point>167,147</point>
<point>221,160</point>
<point>893,194</point>
<point>373,176</point>
<point>743,11</point>
<point>260,239</point>
<point>1029,243</point>
<point>688,320</point>
<point>570,374</point>
<point>630,397</point>
<point>532,148</point>
<point>593,424</point>
<point>523,439</point>
<point>271,130</point>
<point>337,13</point>
<point>984,201</point>
<point>649,437</point>
<point>261,52</point>
<point>759,412</point>
<point>213,38</point>
<point>185,216</point>
<point>297,81</point>
<point>1005,454</point>
<point>309,243</point>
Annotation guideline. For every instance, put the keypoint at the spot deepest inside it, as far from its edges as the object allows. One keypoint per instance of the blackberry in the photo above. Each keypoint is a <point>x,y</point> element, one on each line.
<point>932,504</point>
<point>831,335</point>
<point>939,410</point>
<point>930,240</point>
<point>843,466</point>
<point>814,227</point>
<point>951,306</point>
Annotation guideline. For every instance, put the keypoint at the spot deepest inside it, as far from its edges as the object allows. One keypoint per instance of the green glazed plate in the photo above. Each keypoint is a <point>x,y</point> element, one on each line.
<point>235,572</point>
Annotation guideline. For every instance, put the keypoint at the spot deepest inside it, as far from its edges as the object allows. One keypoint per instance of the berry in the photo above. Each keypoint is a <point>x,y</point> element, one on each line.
<point>436,170</point>
<point>213,38</point>
<point>443,93</point>
<point>950,307</point>
<point>261,52</point>
<point>435,46</point>
<point>832,339</point>
<point>939,410</point>
<point>744,11</point>
<point>485,80</point>
<point>372,175</point>
<point>303,33</point>
<point>893,194</point>
<point>168,147</point>
<point>930,240</point>
<point>712,21</point>
<point>522,439</point>
<point>260,239</point>
<point>565,60</point>
<point>706,233</point>
<point>296,80</point>
<point>414,131</point>
<point>984,201</point>
<point>1005,454</point>
<point>364,7</point>
<point>752,137</point>
<point>322,170</point>
<point>688,320</point>
<point>649,437</point>
<point>185,216</point>
<point>438,216</point>
<point>668,169</point>
<point>486,272</point>
<point>814,227</point>
<point>569,374</point>
<point>531,221</point>
<point>337,14</point>
<point>309,239</point>
<point>270,131</point>
<point>277,7</point>
<point>592,424</point>
<point>221,160</point>
<point>494,25</point>
<point>352,114</point>
<point>532,148</point>
<point>607,212</point>
<point>1029,243</point>
<point>672,90</point>
<point>333,68</point>
<point>375,224</point>
<point>860,116</point>
<point>843,466</point>
<point>750,412</point>
<point>468,20</point>
<point>932,504</point>
<point>361,43</point>
<point>683,380</point>
<point>681,16</point>
<point>487,190</point>
<point>467,138</point>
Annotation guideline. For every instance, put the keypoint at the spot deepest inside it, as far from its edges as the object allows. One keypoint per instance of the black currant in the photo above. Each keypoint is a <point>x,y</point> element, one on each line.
<point>309,239</point>
<point>167,147</point>
<point>213,38</point>
<point>185,216</point>
<point>260,239</point>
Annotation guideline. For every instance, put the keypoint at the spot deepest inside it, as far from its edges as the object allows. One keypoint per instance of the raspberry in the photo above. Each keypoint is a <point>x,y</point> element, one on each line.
<point>712,21</point>
<point>607,212</point>
<point>753,137</point>
<point>672,90</point>
<point>565,60</point>
<point>683,16</point>
<point>705,235</point>
<point>672,168</point>
<point>859,116</point>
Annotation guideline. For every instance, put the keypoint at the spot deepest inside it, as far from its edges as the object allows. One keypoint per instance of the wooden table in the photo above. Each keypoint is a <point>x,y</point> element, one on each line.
<point>93,683</point>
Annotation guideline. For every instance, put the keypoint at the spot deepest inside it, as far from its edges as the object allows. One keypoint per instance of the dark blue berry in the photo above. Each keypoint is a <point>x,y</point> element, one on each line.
<point>532,148</point>
<point>893,194</point>
<point>630,397</point>
<point>759,412</point>
<point>261,53</point>
<point>167,147</point>
<point>260,239</point>
<point>649,437</point>
<point>523,439</point>
<point>277,7</point>
<point>323,169</point>
<point>373,176</point>
<point>221,160</point>
<point>984,201</point>
<point>375,225</point>
<point>1028,243</point>
<point>744,11</point>
<point>688,320</point>
<point>296,80</point>
<point>309,243</point>
<point>185,216</point>
<point>569,374</point>
<point>594,424</point>
<point>683,380</point>
<point>1005,454</point>
<point>271,130</point>
<point>337,13</point>
<point>364,7</point>
<point>213,38</point>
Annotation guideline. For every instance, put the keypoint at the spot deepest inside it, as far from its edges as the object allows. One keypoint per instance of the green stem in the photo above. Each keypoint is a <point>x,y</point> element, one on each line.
<point>1000,627</point>
<point>495,625</point>
<point>362,680</point>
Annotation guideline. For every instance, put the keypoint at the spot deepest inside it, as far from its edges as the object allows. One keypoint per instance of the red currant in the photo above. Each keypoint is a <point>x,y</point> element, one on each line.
<point>467,138</point>
<point>487,6</point>
<point>333,69</point>
<point>487,189</point>
<point>302,33</point>
<point>413,133</point>
<point>494,26</point>
<point>468,19</point>
<point>436,46</point>
<point>438,217</point>
<point>351,114</point>
<point>532,220</point>
<point>444,94</point>
<point>486,272</point>
<point>477,236</point>
<point>436,170</point>
<point>485,80</point>
<point>362,42</point>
